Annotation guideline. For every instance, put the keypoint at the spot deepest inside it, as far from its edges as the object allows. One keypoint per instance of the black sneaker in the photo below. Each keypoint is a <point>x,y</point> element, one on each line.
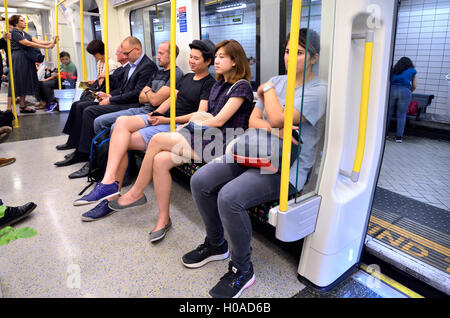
<point>15,214</point>
<point>398,139</point>
<point>233,283</point>
<point>204,254</point>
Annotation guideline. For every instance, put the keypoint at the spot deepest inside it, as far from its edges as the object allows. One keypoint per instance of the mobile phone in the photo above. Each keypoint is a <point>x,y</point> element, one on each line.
<point>157,114</point>
<point>95,94</point>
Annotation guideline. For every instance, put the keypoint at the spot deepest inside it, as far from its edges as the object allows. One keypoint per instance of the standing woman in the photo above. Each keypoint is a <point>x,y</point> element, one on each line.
<point>403,83</point>
<point>25,74</point>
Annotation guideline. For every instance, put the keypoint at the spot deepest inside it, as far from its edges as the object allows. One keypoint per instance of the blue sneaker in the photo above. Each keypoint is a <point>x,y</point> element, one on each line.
<point>100,211</point>
<point>100,192</point>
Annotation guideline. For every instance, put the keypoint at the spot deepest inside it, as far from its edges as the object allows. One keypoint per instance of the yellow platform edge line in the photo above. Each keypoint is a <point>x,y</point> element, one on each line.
<point>417,238</point>
<point>396,285</point>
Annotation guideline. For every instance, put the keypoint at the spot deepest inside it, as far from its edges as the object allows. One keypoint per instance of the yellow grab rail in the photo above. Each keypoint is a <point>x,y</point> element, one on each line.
<point>83,55</point>
<point>58,60</point>
<point>173,56</point>
<point>289,109</point>
<point>367,69</point>
<point>46,50</point>
<point>11,71</point>
<point>105,41</point>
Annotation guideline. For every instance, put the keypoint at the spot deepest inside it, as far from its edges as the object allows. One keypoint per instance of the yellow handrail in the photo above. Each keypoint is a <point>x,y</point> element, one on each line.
<point>368,52</point>
<point>58,60</point>
<point>46,50</point>
<point>173,36</point>
<point>83,55</point>
<point>105,40</point>
<point>289,109</point>
<point>11,71</point>
<point>26,23</point>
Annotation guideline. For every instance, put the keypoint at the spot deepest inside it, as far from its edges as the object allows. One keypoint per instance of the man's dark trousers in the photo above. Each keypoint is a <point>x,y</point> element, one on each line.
<point>87,124</point>
<point>73,126</point>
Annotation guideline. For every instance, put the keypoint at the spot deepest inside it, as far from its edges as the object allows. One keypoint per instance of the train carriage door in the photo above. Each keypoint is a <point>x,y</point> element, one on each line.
<point>361,34</point>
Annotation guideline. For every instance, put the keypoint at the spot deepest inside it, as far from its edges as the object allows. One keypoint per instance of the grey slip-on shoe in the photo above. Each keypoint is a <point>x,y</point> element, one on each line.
<point>114,204</point>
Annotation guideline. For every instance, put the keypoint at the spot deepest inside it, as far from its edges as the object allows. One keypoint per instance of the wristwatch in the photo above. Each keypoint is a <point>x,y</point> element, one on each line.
<point>267,87</point>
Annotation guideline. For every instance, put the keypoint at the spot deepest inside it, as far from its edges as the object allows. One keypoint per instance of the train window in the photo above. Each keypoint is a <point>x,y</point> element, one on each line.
<point>314,126</point>
<point>230,19</point>
<point>285,16</point>
<point>155,18</point>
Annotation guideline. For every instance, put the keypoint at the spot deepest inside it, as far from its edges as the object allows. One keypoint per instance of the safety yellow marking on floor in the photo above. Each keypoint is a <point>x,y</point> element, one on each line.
<point>391,282</point>
<point>417,238</point>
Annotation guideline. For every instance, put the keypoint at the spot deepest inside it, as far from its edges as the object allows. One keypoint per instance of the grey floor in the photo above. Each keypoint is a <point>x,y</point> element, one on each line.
<point>113,257</point>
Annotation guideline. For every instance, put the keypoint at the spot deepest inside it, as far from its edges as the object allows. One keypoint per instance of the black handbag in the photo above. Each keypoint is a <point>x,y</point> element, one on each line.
<point>258,148</point>
<point>34,55</point>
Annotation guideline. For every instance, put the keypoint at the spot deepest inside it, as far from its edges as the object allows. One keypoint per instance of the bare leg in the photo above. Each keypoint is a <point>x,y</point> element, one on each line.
<point>9,107</point>
<point>162,183</point>
<point>173,142</point>
<point>121,140</point>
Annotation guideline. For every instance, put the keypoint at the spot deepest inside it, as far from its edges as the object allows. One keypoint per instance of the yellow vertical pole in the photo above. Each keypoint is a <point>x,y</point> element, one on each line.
<point>11,71</point>
<point>173,38</point>
<point>46,50</point>
<point>105,40</point>
<point>26,23</point>
<point>289,109</point>
<point>83,55</point>
<point>58,61</point>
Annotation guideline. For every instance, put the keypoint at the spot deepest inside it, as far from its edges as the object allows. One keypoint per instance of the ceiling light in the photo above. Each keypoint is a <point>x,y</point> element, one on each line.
<point>231,7</point>
<point>38,1</point>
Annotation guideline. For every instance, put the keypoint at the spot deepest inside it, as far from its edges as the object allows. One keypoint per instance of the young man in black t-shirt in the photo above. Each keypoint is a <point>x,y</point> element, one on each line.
<point>134,132</point>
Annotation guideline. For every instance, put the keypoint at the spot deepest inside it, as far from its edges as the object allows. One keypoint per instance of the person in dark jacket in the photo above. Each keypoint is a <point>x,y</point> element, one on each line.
<point>126,95</point>
<point>24,70</point>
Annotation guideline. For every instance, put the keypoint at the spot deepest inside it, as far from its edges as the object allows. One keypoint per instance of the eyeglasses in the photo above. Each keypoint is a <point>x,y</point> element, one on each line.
<point>127,53</point>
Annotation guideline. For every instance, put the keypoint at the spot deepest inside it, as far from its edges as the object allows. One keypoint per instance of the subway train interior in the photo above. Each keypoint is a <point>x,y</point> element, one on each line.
<point>371,220</point>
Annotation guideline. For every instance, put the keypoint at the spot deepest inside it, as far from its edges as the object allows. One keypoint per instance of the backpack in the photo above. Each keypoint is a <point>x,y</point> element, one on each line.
<point>98,158</point>
<point>6,118</point>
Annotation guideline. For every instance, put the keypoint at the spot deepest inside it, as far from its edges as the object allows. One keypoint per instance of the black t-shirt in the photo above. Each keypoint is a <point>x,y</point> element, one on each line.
<point>191,92</point>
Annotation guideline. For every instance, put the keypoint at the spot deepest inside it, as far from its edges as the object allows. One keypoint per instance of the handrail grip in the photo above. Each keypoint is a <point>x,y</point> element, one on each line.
<point>365,89</point>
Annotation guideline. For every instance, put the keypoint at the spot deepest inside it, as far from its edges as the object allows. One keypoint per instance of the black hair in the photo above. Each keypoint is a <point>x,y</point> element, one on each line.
<point>64,54</point>
<point>402,65</point>
<point>314,41</point>
<point>96,46</point>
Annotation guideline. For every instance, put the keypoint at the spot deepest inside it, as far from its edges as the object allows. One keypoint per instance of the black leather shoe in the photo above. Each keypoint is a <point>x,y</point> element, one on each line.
<point>70,155</point>
<point>72,160</point>
<point>65,146</point>
<point>83,172</point>
<point>15,214</point>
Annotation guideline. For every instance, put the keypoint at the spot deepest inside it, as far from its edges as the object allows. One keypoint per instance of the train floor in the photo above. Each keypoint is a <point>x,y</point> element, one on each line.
<point>113,257</point>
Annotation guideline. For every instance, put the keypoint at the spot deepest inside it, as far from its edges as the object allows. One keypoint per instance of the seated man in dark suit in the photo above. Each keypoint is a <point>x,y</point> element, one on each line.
<point>126,95</point>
